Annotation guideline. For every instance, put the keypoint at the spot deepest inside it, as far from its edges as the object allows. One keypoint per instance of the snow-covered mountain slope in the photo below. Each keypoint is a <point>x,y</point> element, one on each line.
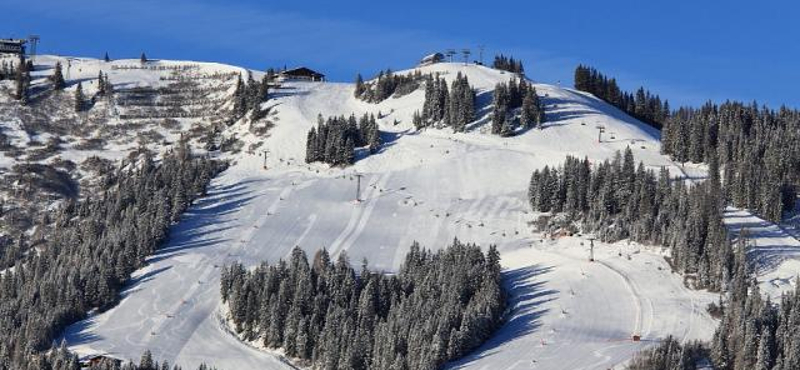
<point>429,186</point>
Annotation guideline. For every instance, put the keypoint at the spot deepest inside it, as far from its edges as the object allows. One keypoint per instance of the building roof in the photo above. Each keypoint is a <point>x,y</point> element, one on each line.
<point>301,71</point>
<point>13,41</point>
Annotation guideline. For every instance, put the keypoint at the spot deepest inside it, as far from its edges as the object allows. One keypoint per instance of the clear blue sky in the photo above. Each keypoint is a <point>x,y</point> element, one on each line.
<point>687,51</point>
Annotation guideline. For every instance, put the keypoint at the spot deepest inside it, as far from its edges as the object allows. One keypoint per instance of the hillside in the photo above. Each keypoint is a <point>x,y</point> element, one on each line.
<point>428,186</point>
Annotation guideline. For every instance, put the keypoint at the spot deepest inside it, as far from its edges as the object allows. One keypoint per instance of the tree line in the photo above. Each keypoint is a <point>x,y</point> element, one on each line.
<point>247,97</point>
<point>616,199</point>
<point>60,358</point>
<point>93,248</point>
<point>438,307</point>
<point>334,141</point>
<point>642,105</point>
<point>758,148</point>
<point>754,332</point>
<point>508,64</point>
<point>516,104</point>
<point>453,107</point>
<point>22,79</point>
<point>385,85</point>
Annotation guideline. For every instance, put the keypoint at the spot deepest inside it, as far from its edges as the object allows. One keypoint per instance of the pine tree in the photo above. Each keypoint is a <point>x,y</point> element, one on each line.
<point>57,79</point>
<point>143,58</point>
<point>79,98</point>
<point>106,58</point>
<point>22,81</point>
<point>529,116</point>
<point>360,88</point>
<point>101,84</point>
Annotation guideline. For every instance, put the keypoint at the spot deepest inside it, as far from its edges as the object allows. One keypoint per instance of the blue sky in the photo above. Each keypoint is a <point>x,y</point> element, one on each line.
<point>687,51</point>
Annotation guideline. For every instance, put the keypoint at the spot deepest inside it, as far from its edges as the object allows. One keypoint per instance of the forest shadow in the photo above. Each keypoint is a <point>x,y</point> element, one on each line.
<point>526,294</point>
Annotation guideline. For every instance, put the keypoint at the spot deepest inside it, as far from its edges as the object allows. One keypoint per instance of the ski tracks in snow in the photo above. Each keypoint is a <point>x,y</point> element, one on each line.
<point>360,214</point>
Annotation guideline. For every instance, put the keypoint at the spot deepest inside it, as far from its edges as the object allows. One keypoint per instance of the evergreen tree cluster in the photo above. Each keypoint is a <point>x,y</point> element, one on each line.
<point>104,86</point>
<point>22,80</point>
<point>334,141</point>
<point>247,97</point>
<point>508,98</point>
<point>7,70</point>
<point>505,63</point>
<point>669,355</point>
<point>758,148</point>
<point>617,199</point>
<point>754,333</point>
<point>454,107</point>
<point>385,85</point>
<point>642,105</point>
<point>437,308</point>
<point>60,358</point>
<point>93,248</point>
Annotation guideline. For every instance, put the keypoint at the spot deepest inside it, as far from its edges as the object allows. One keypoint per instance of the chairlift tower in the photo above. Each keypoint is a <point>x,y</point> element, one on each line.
<point>600,131</point>
<point>466,53</point>
<point>450,53</point>
<point>33,40</point>
<point>591,249</point>
<point>265,152</point>
<point>480,53</point>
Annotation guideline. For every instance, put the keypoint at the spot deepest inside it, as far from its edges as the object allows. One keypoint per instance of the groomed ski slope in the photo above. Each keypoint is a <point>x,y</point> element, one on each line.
<point>428,186</point>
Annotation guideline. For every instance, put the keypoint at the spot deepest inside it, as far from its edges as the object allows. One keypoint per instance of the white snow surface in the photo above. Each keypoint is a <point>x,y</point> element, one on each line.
<point>429,186</point>
<point>774,250</point>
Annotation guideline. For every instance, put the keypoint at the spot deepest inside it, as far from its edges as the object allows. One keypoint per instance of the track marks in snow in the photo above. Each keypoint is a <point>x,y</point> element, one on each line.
<point>360,214</point>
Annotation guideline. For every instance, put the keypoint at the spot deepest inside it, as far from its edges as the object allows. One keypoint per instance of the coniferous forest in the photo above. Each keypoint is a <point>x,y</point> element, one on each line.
<point>507,101</point>
<point>754,333</point>
<point>758,148</point>
<point>454,107</point>
<point>92,250</point>
<point>508,64</point>
<point>642,105</point>
<point>385,85</point>
<point>334,141</point>
<point>617,199</point>
<point>325,314</point>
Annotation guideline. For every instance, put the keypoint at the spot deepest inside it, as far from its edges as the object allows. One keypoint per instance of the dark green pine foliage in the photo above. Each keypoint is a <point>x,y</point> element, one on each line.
<point>453,107</point>
<point>22,81</point>
<point>532,112</point>
<point>669,354</point>
<point>500,108</point>
<point>757,150</point>
<point>97,243</point>
<point>387,84</point>
<point>617,199</point>
<point>515,104</point>
<point>143,58</point>
<point>642,105</point>
<point>79,98</point>
<point>438,307</point>
<point>101,84</point>
<point>57,78</point>
<point>504,63</point>
<point>106,58</point>
<point>754,333</point>
<point>334,141</point>
<point>360,87</point>
<point>461,104</point>
<point>239,98</point>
